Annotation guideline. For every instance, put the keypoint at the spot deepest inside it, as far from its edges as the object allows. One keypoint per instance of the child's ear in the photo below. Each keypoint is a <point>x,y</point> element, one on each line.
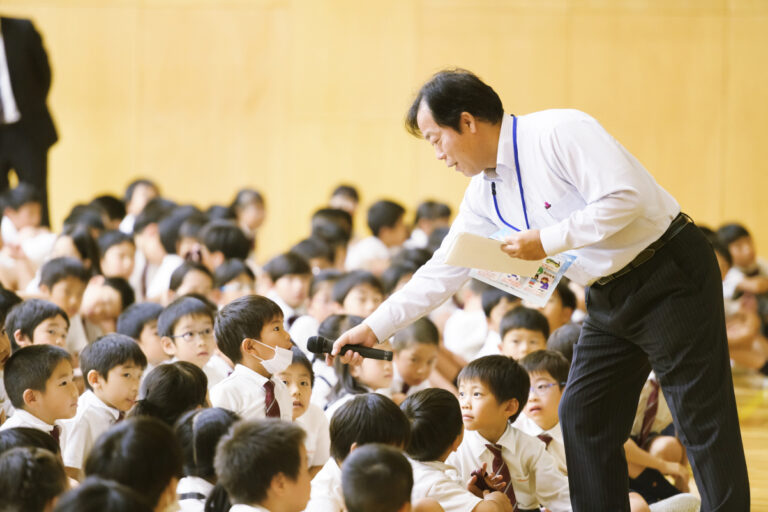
<point>352,447</point>
<point>44,289</point>
<point>93,378</point>
<point>511,406</point>
<point>30,396</point>
<point>169,347</point>
<point>21,339</point>
<point>279,486</point>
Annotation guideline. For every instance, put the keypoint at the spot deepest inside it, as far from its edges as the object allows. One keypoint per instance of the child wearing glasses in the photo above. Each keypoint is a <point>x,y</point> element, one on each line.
<point>186,330</point>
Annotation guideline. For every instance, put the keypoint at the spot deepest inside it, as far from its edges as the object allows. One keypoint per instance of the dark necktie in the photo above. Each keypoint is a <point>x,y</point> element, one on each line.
<point>545,438</point>
<point>500,468</point>
<point>56,433</point>
<point>120,417</point>
<point>651,408</point>
<point>406,387</point>
<point>271,407</point>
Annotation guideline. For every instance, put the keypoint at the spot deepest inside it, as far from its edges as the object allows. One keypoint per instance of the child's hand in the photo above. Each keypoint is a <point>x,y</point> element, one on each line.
<point>676,470</point>
<point>482,482</point>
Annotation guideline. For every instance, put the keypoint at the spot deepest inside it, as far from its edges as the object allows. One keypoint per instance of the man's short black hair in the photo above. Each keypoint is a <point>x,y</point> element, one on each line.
<point>384,214</point>
<point>140,452</point>
<point>226,237</point>
<point>368,418</point>
<point>435,416</point>
<point>550,361</point>
<point>186,305</point>
<point>253,453</point>
<point>30,368</point>
<point>132,186</point>
<point>564,338</point>
<point>178,275</point>
<point>132,320</point>
<point>109,239</point>
<point>422,330</point>
<point>355,278</point>
<point>384,465</point>
<point>243,318</point>
<point>109,351</point>
<point>347,191</point>
<point>111,206</point>
<point>314,247</point>
<point>522,317</point>
<point>285,264</point>
<point>491,297</point>
<point>27,315</point>
<point>432,210</point>
<point>503,376</point>
<point>123,288</point>
<point>155,210</point>
<point>229,270</point>
<point>729,233</point>
<point>23,193</point>
<point>60,268</point>
<point>449,93</point>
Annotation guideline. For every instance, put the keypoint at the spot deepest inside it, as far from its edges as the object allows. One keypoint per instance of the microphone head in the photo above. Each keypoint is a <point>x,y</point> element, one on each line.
<point>319,345</point>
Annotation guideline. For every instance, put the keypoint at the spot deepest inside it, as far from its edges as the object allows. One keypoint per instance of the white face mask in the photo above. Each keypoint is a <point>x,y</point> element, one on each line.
<point>279,363</point>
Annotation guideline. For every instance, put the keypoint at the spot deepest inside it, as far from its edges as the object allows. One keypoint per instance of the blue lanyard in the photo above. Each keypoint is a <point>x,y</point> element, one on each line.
<point>519,183</point>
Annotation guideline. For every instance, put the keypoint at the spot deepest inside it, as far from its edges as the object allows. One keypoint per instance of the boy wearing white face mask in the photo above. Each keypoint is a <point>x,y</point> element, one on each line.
<point>250,332</point>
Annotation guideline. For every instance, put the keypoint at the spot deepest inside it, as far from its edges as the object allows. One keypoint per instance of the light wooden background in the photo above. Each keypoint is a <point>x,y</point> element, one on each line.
<point>293,96</point>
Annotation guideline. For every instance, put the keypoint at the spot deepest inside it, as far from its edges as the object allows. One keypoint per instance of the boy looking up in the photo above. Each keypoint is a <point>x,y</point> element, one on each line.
<point>37,322</point>
<point>249,331</point>
<point>389,232</point>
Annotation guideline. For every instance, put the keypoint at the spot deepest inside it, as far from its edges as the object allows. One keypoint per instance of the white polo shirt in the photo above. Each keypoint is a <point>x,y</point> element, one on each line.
<point>318,440</point>
<point>441,482</point>
<point>79,433</point>
<point>243,392</point>
<point>327,494</point>
<point>556,448</point>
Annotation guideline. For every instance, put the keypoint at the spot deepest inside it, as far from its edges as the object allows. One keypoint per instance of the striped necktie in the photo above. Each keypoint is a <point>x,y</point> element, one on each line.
<point>500,468</point>
<point>271,407</point>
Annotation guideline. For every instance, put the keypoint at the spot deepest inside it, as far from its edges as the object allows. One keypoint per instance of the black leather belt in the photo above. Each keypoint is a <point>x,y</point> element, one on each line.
<point>677,225</point>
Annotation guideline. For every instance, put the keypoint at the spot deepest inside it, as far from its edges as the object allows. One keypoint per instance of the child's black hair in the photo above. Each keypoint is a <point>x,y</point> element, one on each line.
<point>199,431</point>
<point>314,247</point>
<point>435,416</point>
<point>422,330</point>
<point>111,206</point>
<point>243,318</point>
<point>84,216</point>
<point>503,376</point>
<point>436,238</point>
<point>187,305</point>
<point>385,465</point>
<point>549,361</point>
<point>329,275</point>
<point>86,246</point>
<point>109,351</point>
<point>154,211</point>
<point>226,237</point>
<point>229,270</point>
<point>567,297</point>
<point>368,418</point>
<point>348,191</point>
<point>109,239</point>
<point>123,288</point>
<point>170,226</point>
<point>178,275</point>
<point>30,368</point>
<point>27,436</point>
<point>285,264</point>
<point>30,479</point>
<point>391,277</point>
<point>26,316</point>
<point>355,278</point>
<point>142,453</point>
<point>729,233</point>
<point>331,328</point>
<point>564,338</point>
<point>414,255</point>
<point>491,297</point>
<point>245,197</point>
<point>8,300</point>
<point>96,494</point>
<point>332,231</point>
<point>23,193</point>
<point>217,212</point>
<point>522,317</point>
<point>170,390</point>
<point>192,226</point>
<point>253,453</point>
<point>300,358</point>
<point>384,214</point>
<point>132,186</point>
<point>58,269</point>
<point>432,210</point>
<point>132,320</point>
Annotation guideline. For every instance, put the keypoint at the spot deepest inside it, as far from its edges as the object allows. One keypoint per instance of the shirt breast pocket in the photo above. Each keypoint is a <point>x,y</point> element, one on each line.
<point>562,207</point>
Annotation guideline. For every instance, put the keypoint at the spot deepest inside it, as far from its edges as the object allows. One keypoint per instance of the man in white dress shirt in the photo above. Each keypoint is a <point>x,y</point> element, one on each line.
<point>653,296</point>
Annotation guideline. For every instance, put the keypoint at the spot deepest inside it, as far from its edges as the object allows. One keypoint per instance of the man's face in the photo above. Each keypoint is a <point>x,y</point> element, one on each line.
<point>459,150</point>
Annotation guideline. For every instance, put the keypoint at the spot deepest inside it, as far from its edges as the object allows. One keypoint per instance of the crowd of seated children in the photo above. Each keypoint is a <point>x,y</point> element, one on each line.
<point>386,220</point>
<point>317,252</point>
<point>320,306</point>
<point>415,351</point>
<point>496,303</point>
<point>290,276</point>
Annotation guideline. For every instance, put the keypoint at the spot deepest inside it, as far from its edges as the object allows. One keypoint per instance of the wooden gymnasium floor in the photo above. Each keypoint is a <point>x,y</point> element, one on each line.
<point>752,402</point>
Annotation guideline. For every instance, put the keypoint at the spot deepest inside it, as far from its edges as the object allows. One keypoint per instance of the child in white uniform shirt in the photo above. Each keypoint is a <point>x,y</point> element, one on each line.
<point>368,418</point>
<point>523,330</point>
<point>139,322</point>
<point>263,467</point>
<point>436,432</point>
<point>415,355</point>
<point>40,384</point>
<point>290,275</point>
<point>492,392</point>
<point>199,431</point>
<point>112,367</point>
<point>8,300</point>
<point>496,304</point>
<point>299,378</point>
<point>250,332</point>
<point>325,376</point>
<point>388,468</point>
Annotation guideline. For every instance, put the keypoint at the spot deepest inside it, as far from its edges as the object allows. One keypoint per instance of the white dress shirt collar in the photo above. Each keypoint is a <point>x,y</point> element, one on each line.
<point>89,399</point>
<point>22,418</point>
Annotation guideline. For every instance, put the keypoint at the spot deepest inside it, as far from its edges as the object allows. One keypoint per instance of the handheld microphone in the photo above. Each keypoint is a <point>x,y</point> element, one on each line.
<point>321,345</point>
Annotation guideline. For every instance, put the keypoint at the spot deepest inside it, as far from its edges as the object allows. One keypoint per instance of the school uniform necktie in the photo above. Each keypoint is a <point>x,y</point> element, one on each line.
<point>651,408</point>
<point>271,407</point>
<point>406,387</point>
<point>500,468</point>
<point>546,439</point>
<point>56,433</point>
<point>120,417</point>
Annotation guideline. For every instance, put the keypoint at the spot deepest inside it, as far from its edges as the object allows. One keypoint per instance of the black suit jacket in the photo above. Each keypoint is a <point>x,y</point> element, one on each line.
<point>30,79</point>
